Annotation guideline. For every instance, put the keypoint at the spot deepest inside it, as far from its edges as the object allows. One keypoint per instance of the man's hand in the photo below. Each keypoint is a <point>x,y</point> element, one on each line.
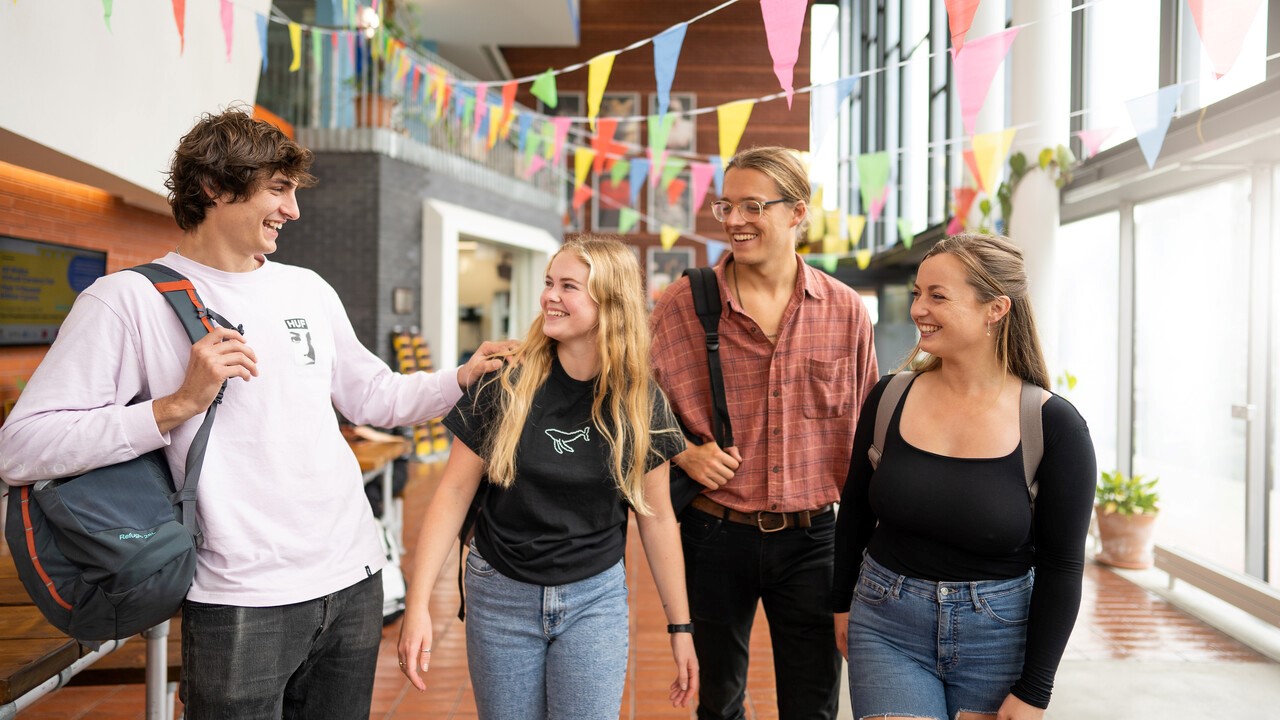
<point>708,464</point>
<point>486,359</point>
<point>218,356</point>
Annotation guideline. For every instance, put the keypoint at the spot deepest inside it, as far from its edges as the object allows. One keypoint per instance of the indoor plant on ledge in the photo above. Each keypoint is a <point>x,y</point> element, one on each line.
<point>1126,509</point>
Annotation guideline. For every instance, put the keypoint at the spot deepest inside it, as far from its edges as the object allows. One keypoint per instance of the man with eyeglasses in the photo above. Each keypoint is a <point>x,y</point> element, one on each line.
<point>798,360</point>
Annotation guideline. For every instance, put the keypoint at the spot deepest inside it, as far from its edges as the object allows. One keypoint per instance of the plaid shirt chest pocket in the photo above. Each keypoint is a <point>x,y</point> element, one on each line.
<point>828,387</point>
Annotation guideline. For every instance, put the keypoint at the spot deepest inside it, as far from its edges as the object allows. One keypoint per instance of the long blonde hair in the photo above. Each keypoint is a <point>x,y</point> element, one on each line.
<point>622,407</point>
<point>995,267</point>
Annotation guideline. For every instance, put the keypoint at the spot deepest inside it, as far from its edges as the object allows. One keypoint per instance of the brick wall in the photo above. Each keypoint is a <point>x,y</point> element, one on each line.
<point>35,206</point>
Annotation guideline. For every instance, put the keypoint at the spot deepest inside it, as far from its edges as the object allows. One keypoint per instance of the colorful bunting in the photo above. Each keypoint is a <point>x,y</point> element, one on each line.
<point>1222,25</point>
<point>989,153</point>
<point>783,25</point>
<point>700,175</point>
<point>598,71</point>
<point>717,165</point>
<point>675,191</point>
<point>544,88</point>
<point>619,170</point>
<point>824,107</point>
<point>180,17</point>
<point>972,163</point>
<point>863,258</point>
<point>960,18</point>
<point>639,170</point>
<point>262,38</point>
<point>106,13</point>
<point>561,126</point>
<point>833,241</point>
<point>857,223</point>
<point>536,163</point>
<point>733,119</point>
<point>904,232</point>
<point>714,251</point>
<point>1093,138</point>
<point>581,195</point>
<point>317,49</point>
<point>582,157</point>
<point>668,236</point>
<point>482,106</point>
<point>873,177</point>
<point>674,167</point>
<point>627,220</point>
<point>1151,115</point>
<point>295,43</point>
<point>877,205</point>
<point>666,54</point>
<point>964,197</point>
<point>508,100</point>
<point>659,128</point>
<point>227,11</point>
<point>974,71</point>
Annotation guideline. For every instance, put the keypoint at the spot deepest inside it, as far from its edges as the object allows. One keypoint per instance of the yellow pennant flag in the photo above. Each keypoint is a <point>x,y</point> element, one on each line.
<point>597,78</point>
<point>295,40</point>
<point>832,242</point>
<point>494,127</point>
<point>582,159</point>
<point>857,223</point>
<point>669,236</point>
<point>989,153</point>
<point>864,259</point>
<point>817,220</point>
<point>733,120</point>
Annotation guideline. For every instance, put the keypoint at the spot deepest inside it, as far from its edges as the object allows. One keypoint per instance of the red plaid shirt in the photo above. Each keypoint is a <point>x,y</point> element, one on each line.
<point>794,406</point>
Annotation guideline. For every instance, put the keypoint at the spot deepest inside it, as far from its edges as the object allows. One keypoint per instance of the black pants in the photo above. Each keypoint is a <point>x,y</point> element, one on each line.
<point>730,569</point>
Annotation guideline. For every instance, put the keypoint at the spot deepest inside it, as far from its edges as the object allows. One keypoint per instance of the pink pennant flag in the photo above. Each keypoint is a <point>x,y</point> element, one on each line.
<point>228,13</point>
<point>975,69</point>
<point>960,18</point>
<point>1093,139</point>
<point>877,205</point>
<point>700,174</point>
<point>562,131</point>
<point>180,17</point>
<point>955,227</point>
<point>482,105</point>
<point>783,24</point>
<point>1222,25</point>
<point>535,165</point>
<point>351,48</point>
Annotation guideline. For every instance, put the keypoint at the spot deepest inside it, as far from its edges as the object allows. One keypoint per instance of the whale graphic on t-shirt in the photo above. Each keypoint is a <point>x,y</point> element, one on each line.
<point>562,438</point>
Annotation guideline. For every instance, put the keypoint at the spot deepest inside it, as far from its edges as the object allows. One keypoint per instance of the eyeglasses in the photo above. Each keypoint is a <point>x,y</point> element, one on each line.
<point>751,209</point>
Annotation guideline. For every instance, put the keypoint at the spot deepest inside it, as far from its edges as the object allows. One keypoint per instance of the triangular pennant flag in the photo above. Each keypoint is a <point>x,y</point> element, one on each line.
<point>581,195</point>
<point>639,170</point>
<point>833,242</point>
<point>482,106</point>
<point>700,176</point>
<point>960,18</point>
<point>718,166</point>
<point>668,236</point>
<point>536,163</point>
<point>857,223</point>
<point>972,163</point>
<point>1222,25</point>
<point>823,261</point>
<point>1151,115</point>
<point>675,191</point>
<point>544,88</point>
<point>180,17</point>
<point>598,70</point>
<point>522,139</point>
<point>508,100</point>
<point>351,48</point>
<point>317,49</point>
<point>1092,139</point>
<point>714,251</point>
<point>783,26</point>
<point>964,203</point>
<point>733,119</point>
<point>975,68</point>
<point>602,142</point>
<point>666,54</point>
<point>817,220</point>
<point>863,257</point>
<point>582,157</point>
<point>531,148</point>
<point>106,13</point>
<point>468,112</point>
<point>227,12</point>
<point>495,128</point>
<point>295,43</point>
<point>627,220</point>
<point>989,153</point>
<point>824,107</point>
<point>561,125</point>
<point>877,204</point>
<point>619,170</point>
<point>904,232</point>
<point>659,128</point>
<point>873,176</point>
<point>674,167</point>
<point>262,39</point>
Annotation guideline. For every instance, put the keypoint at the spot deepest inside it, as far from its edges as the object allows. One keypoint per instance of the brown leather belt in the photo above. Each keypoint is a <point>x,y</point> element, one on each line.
<point>765,521</point>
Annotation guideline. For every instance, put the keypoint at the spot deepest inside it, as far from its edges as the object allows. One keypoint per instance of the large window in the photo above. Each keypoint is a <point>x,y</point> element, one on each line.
<point>1250,68</point>
<point>1121,62</point>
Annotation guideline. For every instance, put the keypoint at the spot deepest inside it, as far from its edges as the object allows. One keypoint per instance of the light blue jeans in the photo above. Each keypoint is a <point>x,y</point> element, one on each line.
<point>546,652</point>
<point>934,649</point>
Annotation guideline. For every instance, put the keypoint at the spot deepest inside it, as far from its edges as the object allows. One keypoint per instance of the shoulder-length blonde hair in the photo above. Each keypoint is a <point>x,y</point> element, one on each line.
<point>622,407</point>
<point>995,267</point>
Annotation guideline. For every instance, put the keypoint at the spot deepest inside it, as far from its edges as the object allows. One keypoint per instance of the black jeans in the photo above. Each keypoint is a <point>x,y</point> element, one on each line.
<point>730,568</point>
<point>309,660</point>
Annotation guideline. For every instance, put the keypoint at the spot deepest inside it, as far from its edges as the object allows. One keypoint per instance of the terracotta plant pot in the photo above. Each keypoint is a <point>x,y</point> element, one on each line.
<point>374,110</point>
<point>1127,540</point>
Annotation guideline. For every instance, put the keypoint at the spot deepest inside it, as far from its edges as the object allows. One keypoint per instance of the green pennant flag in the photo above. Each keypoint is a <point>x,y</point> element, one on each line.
<point>468,112</point>
<point>627,219</point>
<point>317,51</point>
<point>531,147</point>
<point>544,88</point>
<point>619,169</point>
<point>873,175</point>
<point>106,13</point>
<point>673,168</point>
<point>659,129</point>
<point>904,232</point>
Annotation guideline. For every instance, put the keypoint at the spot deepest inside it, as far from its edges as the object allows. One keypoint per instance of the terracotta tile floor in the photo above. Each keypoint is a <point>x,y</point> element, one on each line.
<point>1118,620</point>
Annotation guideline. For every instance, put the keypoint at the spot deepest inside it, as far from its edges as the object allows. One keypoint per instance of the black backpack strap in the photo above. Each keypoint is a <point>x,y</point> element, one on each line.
<point>1032,429</point>
<point>706,303</point>
<point>884,413</point>
<point>197,320</point>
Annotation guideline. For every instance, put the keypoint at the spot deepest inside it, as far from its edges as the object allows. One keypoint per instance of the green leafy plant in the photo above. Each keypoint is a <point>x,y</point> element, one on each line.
<point>1065,381</point>
<point>1127,495</point>
<point>1057,161</point>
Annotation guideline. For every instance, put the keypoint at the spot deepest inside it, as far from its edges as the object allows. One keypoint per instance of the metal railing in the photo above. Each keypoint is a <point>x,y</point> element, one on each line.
<point>349,99</point>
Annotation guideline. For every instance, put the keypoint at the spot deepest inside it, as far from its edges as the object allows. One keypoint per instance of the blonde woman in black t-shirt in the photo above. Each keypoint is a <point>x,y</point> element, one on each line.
<point>560,447</point>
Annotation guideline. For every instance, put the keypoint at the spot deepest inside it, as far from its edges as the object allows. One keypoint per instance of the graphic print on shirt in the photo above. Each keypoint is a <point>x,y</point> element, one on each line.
<point>562,438</point>
<point>304,353</point>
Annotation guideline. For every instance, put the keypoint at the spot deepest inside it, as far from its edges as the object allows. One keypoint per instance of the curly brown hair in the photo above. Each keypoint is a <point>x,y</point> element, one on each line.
<point>230,154</point>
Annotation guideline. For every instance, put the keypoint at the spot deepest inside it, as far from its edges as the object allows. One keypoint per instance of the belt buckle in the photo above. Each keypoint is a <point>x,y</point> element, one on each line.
<point>760,522</point>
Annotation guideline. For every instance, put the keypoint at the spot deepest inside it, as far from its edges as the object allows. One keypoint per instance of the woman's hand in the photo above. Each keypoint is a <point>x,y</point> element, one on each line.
<point>1015,709</point>
<point>414,647</point>
<point>841,621</point>
<point>685,685</point>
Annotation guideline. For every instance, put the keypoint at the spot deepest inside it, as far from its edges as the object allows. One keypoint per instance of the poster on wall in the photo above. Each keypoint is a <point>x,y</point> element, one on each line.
<point>673,205</point>
<point>610,198</point>
<point>568,104</point>
<point>665,267</point>
<point>683,137</point>
<point>38,283</point>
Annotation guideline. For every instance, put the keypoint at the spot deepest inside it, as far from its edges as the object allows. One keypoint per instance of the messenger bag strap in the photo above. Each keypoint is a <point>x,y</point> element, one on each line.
<point>706,303</point>
<point>884,413</point>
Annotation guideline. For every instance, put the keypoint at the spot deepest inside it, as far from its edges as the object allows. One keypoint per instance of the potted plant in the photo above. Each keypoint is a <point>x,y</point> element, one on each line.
<point>1126,508</point>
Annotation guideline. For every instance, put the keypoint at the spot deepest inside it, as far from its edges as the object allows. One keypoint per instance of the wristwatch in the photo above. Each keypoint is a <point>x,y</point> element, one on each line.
<point>681,628</point>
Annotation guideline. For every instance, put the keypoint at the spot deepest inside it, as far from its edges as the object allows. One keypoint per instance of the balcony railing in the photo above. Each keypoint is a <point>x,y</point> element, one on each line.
<point>350,101</point>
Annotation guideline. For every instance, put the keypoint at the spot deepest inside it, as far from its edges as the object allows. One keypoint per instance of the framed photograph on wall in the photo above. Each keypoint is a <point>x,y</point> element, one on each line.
<point>620,105</point>
<point>568,104</point>
<point>672,206</point>
<point>684,130</point>
<point>607,202</point>
<point>664,267</point>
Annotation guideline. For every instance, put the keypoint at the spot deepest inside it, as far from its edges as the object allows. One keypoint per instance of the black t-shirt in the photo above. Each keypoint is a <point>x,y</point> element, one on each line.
<point>959,519</point>
<point>563,519</point>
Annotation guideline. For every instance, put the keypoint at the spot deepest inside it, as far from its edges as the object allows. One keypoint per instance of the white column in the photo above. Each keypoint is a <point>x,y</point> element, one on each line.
<point>1040,105</point>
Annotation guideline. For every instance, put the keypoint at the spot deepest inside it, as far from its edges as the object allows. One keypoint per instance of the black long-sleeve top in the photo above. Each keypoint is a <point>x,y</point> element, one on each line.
<point>949,519</point>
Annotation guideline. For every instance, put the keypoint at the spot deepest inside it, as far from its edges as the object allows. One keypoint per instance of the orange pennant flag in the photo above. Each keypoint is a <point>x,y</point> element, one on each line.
<point>581,195</point>
<point>180,17</point>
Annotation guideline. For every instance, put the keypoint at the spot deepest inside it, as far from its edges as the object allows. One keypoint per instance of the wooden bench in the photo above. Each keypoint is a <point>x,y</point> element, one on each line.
<point>1247,593</point>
